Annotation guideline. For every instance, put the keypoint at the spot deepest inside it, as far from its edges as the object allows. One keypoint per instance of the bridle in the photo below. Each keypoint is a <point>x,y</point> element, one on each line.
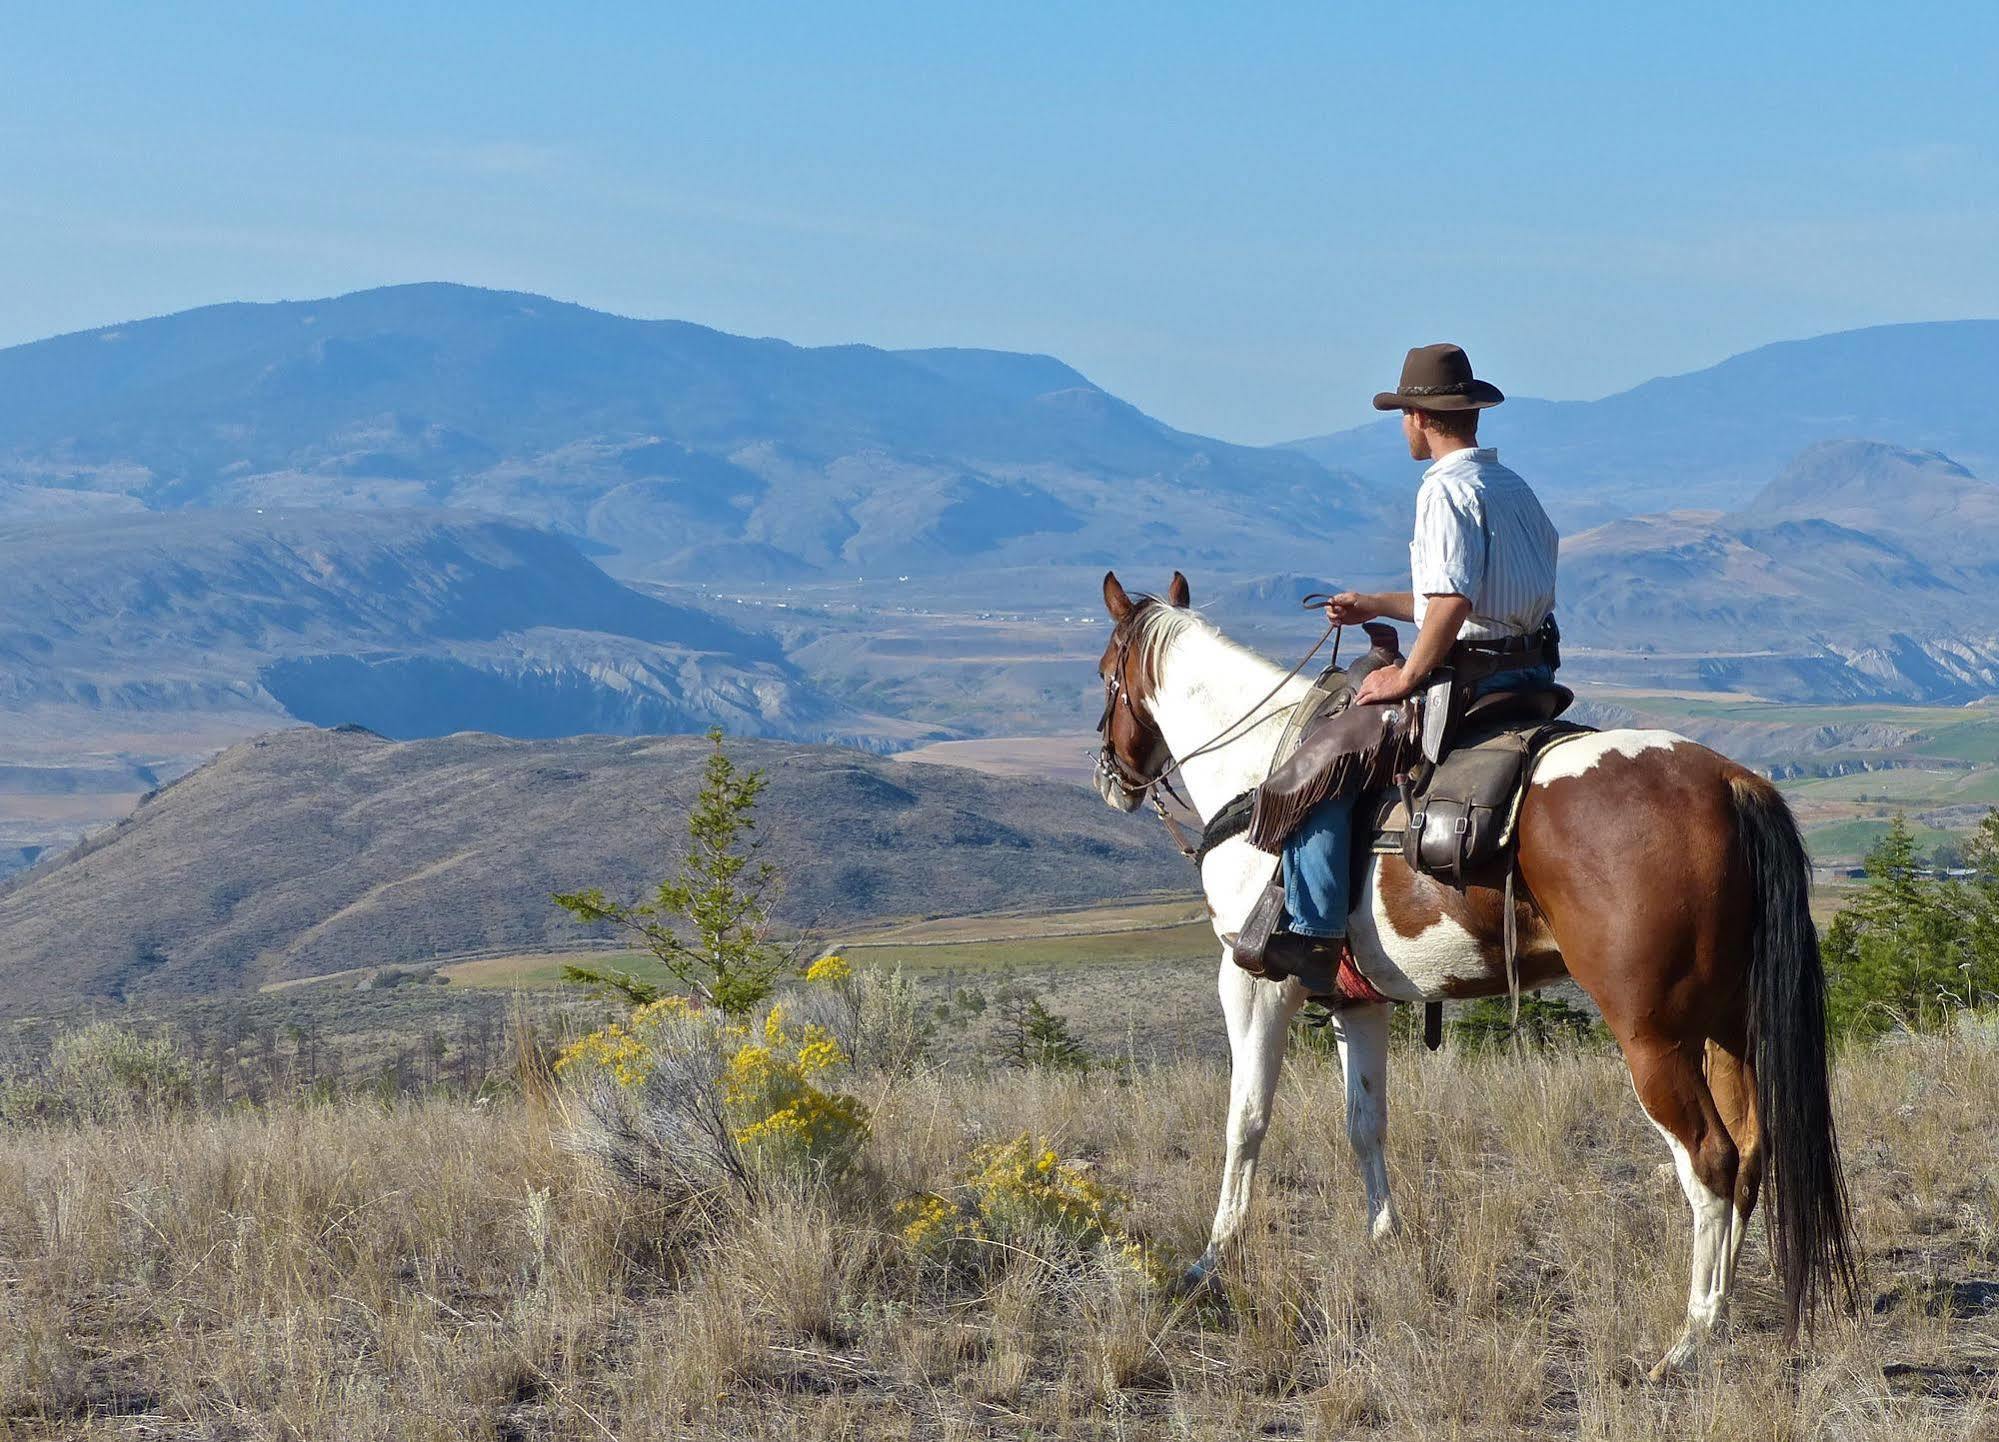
<point>1110,768</point>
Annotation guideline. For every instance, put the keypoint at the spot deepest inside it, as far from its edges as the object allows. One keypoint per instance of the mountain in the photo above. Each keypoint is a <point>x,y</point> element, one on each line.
<point>1933,504</point>
<point>309,851</point>
<point>1863,570</point>
<point>1713,437</point>
<point>411,622</point>
<point>670,449</point>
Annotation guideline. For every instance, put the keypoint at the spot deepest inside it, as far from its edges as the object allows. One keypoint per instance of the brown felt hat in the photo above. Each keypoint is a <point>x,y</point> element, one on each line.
<point>1438,378</point>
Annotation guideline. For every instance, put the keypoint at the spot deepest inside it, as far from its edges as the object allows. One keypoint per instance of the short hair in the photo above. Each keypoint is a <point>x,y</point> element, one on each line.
<point>1458,425</point>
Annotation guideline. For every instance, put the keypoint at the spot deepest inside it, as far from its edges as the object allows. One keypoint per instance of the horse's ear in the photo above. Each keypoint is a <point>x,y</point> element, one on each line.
<point>1177,592</point>
<point>1115,600</point>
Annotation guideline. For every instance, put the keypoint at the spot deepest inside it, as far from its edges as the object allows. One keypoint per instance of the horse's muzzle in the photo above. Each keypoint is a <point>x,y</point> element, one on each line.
<point>1117,795</point>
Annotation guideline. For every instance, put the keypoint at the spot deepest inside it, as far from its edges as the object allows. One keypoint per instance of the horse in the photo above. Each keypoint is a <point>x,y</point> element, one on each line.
<point>1669,882</point>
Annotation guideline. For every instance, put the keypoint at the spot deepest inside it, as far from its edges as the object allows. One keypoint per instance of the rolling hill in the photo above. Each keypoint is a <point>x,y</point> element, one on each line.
<point>308,851</point>
<point>1714,437</point>
<point>670,449</point>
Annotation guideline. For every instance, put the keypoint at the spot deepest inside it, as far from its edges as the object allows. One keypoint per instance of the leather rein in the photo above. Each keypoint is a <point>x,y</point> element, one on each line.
<point>1111,768</point>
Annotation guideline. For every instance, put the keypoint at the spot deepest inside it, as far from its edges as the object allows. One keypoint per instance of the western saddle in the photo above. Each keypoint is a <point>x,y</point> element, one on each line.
<point>1442,790</point>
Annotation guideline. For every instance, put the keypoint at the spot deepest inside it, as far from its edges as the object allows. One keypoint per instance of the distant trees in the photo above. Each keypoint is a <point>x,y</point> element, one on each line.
<point>1912,951</point>
<point>1032,1035</point>
<point>709,923</point>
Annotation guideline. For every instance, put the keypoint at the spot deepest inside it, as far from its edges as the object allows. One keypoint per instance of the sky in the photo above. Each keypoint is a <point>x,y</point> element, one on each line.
<point>1237,217</point>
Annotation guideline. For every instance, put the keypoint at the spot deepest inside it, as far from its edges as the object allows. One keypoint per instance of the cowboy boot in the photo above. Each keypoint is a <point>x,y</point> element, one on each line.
<point>1315,961</point>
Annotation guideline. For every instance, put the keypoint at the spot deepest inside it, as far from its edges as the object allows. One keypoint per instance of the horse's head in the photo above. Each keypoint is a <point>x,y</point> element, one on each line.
<point>1131,753</point>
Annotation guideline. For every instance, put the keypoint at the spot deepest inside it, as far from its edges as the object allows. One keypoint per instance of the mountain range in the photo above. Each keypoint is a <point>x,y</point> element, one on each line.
<point>666,449</point>
<point>431,508</point>
<point>1862,570</point>
<point>1714,437</point>
<point>414,622</point>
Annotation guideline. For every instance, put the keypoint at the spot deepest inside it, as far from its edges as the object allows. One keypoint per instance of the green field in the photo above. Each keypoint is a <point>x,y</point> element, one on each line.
<point>1939,778</point>
<point>1859,836</point>
<point>1187,942</point>
<point>1053,952</point>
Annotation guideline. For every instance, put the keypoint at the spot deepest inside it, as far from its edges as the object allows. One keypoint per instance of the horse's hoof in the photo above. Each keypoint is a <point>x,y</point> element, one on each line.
<point>1198,1282</point>
<point>1674,1363</point>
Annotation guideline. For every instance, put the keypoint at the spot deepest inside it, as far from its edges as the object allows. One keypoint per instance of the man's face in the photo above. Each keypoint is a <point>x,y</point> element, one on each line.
<point>1418,438</point>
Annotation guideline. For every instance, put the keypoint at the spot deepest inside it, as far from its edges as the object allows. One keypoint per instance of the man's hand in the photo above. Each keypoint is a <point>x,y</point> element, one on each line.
<point>1352,608</point>
<point>1384,686</point>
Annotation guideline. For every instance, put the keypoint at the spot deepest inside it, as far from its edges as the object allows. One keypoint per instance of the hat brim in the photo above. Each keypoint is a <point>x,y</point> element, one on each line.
<point>1478,395</point>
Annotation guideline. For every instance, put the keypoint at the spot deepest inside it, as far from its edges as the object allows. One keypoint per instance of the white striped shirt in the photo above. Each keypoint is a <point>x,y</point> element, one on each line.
<point>1481,534</point>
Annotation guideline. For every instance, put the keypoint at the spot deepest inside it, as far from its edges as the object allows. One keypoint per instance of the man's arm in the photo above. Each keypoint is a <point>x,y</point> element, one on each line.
<point>1443,617</point>
<point>1352,608</point>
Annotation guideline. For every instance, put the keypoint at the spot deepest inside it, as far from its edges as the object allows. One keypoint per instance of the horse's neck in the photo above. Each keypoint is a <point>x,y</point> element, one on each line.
<point>1204,685</point>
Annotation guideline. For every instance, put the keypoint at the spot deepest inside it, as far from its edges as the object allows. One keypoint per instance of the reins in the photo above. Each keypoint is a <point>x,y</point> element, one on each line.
<point>1150,787</point>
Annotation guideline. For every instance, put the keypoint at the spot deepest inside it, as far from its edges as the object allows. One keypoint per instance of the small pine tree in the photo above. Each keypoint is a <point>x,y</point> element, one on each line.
<point>1031,1035</point>
<point>1545,1022</point>
<point>709,923</point>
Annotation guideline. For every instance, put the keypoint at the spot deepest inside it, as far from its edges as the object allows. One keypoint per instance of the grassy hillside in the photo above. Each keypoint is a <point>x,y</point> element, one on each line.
<point>307,852</point>
<point>443,1270</point>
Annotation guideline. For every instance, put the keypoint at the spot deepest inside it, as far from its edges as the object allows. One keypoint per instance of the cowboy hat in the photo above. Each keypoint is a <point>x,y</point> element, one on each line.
<point>1438,378</point>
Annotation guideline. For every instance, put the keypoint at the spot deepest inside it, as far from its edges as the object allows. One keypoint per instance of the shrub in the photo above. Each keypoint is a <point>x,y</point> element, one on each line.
<point>1015,1196</point>
<point>678,1097</point>
<point>102,1072</point>
<point>1031,1035</point>
<point>877,1016</point>
<point>1545,1022</point>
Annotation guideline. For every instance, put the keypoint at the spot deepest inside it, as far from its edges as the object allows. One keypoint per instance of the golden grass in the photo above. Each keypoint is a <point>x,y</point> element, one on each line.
<point>450,1271</point>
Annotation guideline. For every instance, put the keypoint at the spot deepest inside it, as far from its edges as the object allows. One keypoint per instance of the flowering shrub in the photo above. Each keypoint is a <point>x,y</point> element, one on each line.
<point>1019,1194</point>
<point>625,1050</point>
<point>829,969</point>
<point>877,1014</point>
<point>760,1085</point>
<point>788,1119</point>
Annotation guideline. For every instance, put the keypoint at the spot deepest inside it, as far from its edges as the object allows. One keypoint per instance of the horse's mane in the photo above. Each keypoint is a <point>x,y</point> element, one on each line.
<point>1157,625</point>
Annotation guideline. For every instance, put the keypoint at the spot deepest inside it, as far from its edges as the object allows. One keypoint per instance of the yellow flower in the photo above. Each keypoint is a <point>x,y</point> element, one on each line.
<point>829,969</point>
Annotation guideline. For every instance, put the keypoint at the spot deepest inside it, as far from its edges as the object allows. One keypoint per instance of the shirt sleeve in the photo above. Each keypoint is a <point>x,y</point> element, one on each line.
<point>1448,554</point>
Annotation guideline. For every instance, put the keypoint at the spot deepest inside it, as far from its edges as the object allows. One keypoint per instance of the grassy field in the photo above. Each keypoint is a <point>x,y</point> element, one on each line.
<point>1936,765</point>
<point>445,1270</point>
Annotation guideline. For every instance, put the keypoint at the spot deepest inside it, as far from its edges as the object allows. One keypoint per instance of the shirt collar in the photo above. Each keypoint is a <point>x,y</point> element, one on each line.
<point>1463,456</point>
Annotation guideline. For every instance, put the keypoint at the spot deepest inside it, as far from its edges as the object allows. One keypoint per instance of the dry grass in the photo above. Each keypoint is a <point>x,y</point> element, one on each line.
<point>451,1271</point>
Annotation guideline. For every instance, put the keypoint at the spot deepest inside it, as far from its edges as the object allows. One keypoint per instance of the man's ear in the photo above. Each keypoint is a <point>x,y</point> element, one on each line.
<point>1115,600</point>
<point>1176,591</point>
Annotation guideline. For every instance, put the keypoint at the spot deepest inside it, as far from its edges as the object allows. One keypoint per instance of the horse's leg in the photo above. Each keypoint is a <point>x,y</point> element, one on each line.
<point>1732,1080</point>
<point>1675,1095</point>
<point>1259,1019</point>
<point>1362,1032</point>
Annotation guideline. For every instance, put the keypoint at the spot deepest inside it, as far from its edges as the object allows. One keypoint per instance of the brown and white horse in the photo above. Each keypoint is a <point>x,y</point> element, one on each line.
<point>1667,880</point>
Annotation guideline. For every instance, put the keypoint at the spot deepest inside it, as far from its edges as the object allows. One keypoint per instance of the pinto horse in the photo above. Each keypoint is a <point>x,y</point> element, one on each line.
<point>1668,881</point>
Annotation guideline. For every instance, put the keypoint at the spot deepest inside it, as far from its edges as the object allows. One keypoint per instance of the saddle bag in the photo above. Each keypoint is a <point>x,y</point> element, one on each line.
<point>1460,820</point>
<point>1460,826</point>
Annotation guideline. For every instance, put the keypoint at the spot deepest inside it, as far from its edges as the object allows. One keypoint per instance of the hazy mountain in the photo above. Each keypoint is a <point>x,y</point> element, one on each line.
<point>1863,569</point>
<point>1713,437</point>
<point>310,851</point>
<point>413,623</point>
<point>677,450</point>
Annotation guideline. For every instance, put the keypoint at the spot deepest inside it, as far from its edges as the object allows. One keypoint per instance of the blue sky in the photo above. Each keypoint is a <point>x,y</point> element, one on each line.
<point>1235,216</point>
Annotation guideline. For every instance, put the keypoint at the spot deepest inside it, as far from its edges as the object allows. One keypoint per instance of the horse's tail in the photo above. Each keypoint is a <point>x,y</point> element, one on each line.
<point>1811,1239</point>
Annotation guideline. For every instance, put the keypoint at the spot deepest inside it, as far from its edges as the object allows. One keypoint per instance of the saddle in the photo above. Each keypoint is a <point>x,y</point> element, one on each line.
<point>1441,790</point>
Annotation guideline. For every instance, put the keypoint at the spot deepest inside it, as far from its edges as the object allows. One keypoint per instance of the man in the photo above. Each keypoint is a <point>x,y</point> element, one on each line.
<point>1482,596</point>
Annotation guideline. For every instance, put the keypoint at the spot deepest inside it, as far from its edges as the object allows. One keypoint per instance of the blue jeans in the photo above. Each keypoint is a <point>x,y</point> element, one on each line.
<point>1317,855</point>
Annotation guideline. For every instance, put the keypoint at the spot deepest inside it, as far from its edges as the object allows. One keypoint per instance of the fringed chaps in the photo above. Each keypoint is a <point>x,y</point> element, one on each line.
<point>1343,754</point>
